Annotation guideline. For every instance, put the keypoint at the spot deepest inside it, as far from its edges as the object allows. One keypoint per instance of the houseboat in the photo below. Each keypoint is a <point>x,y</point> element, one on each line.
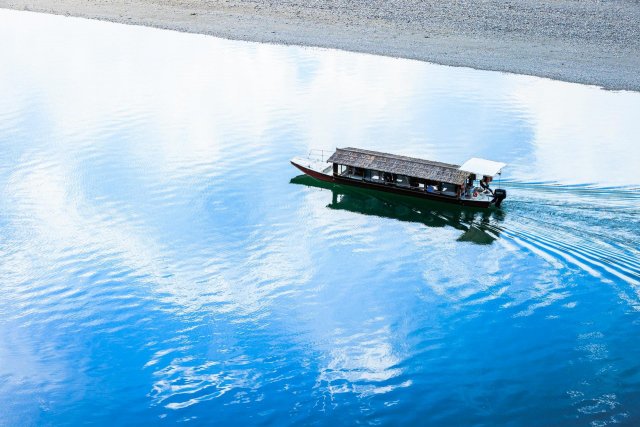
<point>467,184</point>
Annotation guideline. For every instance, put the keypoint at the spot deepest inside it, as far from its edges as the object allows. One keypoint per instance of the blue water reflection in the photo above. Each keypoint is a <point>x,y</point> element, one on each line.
<point>161,261</point>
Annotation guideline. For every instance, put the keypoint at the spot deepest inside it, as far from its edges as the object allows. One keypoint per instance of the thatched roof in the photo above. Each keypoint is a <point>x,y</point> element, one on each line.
<point>401,165</point>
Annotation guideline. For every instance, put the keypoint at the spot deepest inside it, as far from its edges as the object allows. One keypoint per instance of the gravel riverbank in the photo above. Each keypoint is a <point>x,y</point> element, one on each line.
<point>587,41</point>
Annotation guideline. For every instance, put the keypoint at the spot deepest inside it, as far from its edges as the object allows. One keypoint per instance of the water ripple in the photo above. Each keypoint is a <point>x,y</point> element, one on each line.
<point>159,259</point>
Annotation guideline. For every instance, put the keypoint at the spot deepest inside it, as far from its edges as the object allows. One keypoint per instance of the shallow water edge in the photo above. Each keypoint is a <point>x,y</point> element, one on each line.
<point>604,53</point>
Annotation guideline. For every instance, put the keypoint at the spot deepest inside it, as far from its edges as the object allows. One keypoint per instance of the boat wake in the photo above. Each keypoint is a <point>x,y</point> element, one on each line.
<point>571,228</point>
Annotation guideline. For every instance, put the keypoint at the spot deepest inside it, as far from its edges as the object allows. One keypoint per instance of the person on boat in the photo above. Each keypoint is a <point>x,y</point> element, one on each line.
<point>484,183</point>
<point>468,188</point>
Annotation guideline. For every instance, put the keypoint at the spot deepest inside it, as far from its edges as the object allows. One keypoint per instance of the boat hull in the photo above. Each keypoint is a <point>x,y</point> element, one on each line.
<point>390,188</point>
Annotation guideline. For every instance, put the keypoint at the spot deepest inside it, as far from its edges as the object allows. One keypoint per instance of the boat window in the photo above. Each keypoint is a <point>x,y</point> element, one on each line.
<point>371,175</point>
<point>402,181</point>
<point>351,172</point>
<point>448,189</point>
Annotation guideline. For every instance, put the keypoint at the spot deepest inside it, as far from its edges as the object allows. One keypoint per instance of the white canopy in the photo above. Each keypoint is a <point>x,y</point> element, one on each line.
<point>482,166</point>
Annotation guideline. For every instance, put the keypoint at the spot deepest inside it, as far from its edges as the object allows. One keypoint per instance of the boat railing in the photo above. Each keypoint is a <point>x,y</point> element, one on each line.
<point>319,155</point>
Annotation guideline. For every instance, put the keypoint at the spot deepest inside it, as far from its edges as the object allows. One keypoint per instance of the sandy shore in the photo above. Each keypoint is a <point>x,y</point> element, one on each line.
<point>586,41</point>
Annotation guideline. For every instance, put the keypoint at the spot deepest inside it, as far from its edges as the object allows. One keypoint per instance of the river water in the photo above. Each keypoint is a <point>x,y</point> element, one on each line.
<point>161,261</point>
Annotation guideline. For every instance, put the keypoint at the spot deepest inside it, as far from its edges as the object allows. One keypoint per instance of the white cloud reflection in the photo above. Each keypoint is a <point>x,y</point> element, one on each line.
<point>180,106</point>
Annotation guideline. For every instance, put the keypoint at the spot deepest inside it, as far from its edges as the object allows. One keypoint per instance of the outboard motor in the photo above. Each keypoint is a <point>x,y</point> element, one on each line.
<point>498,196</point>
